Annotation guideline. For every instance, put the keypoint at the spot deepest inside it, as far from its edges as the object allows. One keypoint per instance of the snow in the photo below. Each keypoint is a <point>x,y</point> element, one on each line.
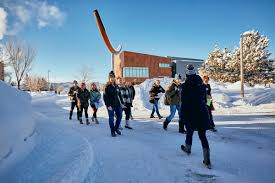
<point>16,121</point>
<point>242,150</point>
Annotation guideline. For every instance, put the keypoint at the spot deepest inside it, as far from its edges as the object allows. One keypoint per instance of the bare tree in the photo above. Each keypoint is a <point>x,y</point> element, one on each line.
<point>20,58</point>
<point>85,74</point>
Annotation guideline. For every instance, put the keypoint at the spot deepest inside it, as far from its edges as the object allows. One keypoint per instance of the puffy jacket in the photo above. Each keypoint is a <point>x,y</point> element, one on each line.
<point>155,90</point>
<point>173,94</point>
<point>194,111</point>
<point>83,97</point>
<point>95,96</point>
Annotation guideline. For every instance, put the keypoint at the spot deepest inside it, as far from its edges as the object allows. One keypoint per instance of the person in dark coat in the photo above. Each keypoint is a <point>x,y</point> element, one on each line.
<point>209,102</point>
<point>114,104</point>
<point>194,112</point>
<point>132,93</point>
<point>172,97</point>
<point>154,98</point>
<point>72,94</point>
<point>83,96</point>
<point>95,97</point>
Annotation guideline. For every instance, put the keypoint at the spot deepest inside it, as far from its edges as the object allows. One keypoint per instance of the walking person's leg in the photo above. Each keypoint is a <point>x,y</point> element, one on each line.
<point>188,141</point>
<point>212,125</point>
<point>170,117</point>
<point>80,114</point>
<point>72,109</point>
<point>111,115</point>
<point>95,114</point>
<point>206,149</point>
<point>86,115</point>
<point>157,108</point>
<point>181,122</point>
<point>78,111</point>
<point>118,112</point>
<point>128,113</point>
<point>153,111</point>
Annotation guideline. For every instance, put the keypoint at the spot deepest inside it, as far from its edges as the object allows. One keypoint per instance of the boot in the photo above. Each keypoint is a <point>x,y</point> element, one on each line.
<point>165,124</point>
<point>181,127</point>
<point>87,121</point>
<point>186,148</point>
<point>70,118</point>
<point>96,121</point>
<point>113,134</point>
<point>93,119</point>
<point>152,116</point>
<point>160,116</point>
<point>80,121</point>
<point>206,158</point>
<point>127,125</point>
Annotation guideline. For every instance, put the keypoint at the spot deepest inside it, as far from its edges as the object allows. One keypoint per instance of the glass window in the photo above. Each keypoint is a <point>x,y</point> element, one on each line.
<point>136,72</point>
<point>164,65</point>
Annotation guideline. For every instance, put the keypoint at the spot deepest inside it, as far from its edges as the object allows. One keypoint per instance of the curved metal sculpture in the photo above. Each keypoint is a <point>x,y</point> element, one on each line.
<point>104,35</point>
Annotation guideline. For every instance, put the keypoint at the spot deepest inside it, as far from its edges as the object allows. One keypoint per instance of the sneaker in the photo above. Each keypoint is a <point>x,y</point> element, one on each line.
<point>186,149</point>
<point>152,116</point>
<point>160,117</point>
<point>128,127</point>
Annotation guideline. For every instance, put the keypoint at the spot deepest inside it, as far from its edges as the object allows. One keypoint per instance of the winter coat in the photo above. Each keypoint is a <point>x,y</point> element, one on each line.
<point>126,97</point>
<point>73,92</point>
<point>173,94</point>
<point>209,97</point>
<point>95,96</point>
<point>112,96</point>
<point>83,97</point>
<point>132,92</point>
<point>194,111</point>
<point>155,90</point>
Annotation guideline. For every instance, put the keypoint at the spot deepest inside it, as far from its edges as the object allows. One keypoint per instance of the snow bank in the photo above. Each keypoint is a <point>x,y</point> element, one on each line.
<point>141,101</point>
<point>16,123</point>
<point>225,95</point>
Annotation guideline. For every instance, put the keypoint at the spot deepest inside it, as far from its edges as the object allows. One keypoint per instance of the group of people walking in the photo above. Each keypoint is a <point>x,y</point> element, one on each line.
<point>191,99</point>
<point>80,97</point>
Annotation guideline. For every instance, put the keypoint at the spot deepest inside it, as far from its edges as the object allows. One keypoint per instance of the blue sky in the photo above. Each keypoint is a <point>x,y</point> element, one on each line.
<point>181,28</point>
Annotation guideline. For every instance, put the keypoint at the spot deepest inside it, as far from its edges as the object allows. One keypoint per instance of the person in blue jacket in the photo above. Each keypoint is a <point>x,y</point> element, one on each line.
<point>95,97</point>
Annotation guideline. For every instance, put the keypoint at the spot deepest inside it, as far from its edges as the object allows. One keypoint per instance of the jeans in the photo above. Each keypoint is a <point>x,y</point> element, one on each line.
<point>202,136</point>
<point>118,112</point>
<point>173,109</point>
<point>155,107</point>
<point>74,104</point>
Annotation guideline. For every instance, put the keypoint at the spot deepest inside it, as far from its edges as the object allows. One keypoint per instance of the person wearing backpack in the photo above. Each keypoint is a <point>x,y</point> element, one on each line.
<point>173,99</point>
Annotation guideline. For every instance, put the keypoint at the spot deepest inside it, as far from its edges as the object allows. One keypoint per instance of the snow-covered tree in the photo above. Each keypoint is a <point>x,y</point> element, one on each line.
<point>215,64</point>
<point>257,67</point>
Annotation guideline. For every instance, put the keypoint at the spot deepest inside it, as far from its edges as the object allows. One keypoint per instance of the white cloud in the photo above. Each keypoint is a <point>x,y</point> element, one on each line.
<point>23,14</point>
<point>3,22</point>
<point>49,15</point>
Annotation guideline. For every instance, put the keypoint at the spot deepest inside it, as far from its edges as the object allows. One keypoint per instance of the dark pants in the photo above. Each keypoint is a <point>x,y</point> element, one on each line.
<point>118,112</point>
<point>127,111</point>
<point>212,125</point>
<point>202,136</point>
<point>85,109</point>
<point>94,109</point>
<point>74,104</point>
<point>155,107</point>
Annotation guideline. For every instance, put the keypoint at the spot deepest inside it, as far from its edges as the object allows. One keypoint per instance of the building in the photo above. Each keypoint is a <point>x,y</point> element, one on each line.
<point>2,77</point>
<point>179,65</point>
<point>137,67</point>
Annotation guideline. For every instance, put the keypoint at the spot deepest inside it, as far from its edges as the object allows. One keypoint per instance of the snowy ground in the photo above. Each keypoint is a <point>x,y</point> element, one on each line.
<point>242,150</point>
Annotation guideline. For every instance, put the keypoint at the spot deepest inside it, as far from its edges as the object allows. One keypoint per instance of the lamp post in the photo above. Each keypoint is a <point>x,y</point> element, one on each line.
<point>49,85</point>
<point>241,67</point>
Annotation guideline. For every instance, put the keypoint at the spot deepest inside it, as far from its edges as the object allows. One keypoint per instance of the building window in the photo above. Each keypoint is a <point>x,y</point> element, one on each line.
<point>162,65</point>
<point>135,72</point>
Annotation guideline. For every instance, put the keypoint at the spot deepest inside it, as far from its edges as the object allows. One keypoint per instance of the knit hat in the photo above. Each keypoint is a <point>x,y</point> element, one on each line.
<point>112,74</point>
<point>190,70</point>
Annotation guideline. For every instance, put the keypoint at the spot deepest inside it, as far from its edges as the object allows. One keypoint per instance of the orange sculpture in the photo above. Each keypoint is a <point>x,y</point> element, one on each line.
<point>104,34</point>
